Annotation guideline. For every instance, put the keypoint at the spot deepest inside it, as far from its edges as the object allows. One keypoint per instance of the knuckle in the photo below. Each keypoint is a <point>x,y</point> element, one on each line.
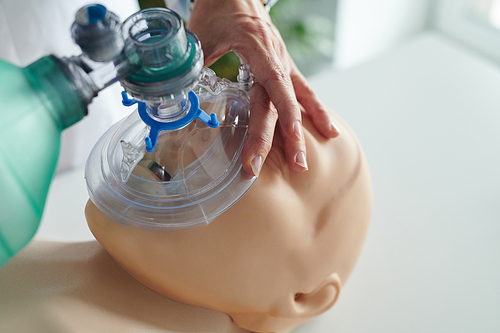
<point>279,73</point>
<point>260,104</point>
<point>290,111</point>
<point>306,89</point>
<point>321,112</point>
<point>265,106</point>
<point>260,141</point>
<point>276,74</point>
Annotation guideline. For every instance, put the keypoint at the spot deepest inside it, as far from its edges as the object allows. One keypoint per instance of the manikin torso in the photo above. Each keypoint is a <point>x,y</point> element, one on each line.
<point>317,219</point>
<point>76,287</point>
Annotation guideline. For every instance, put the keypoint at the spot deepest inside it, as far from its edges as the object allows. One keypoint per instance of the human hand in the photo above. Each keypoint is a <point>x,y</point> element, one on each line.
<point>245,27</point>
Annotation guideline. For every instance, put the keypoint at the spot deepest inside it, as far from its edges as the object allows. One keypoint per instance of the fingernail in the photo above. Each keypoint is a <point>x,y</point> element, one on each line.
<point>300,159</point>
<point>297,129</point>
<point>333,128</point>
<point>256,165</point>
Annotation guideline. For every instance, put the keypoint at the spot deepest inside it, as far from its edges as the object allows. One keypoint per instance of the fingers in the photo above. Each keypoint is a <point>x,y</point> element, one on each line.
<point>313,106</point>
<point>264,50</point>
<point>246,28</point>
<point>295,154</point>
<point>280,90</point>
<point>272,76</point>
<point>260,131</point>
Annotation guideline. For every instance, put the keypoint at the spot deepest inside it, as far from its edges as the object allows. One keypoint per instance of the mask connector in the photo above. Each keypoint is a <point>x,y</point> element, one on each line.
<point>157,126</point>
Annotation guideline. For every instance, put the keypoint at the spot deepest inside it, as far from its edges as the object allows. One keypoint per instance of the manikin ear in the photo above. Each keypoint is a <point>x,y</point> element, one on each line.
<point>315,302</point>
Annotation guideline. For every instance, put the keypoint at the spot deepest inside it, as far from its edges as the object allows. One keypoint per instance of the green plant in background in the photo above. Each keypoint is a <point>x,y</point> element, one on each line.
<point>227,66</point>
<point>305,28</point>
<point>143,4</point>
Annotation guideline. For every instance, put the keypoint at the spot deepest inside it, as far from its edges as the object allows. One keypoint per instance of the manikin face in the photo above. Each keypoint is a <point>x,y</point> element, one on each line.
<point>278,257</point>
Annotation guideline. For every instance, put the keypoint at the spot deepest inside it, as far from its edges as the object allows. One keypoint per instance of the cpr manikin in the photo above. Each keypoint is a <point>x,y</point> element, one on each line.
<point>276,258</point>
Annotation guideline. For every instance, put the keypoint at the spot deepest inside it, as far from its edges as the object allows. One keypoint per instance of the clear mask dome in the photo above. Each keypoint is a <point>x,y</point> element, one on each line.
<point>194,173</point>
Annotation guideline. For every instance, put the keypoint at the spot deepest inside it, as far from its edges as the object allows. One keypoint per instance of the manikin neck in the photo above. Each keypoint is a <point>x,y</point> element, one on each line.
<point>81,286</point>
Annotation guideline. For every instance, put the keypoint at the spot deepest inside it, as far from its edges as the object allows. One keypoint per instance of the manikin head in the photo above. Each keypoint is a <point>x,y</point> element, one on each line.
<point>276,258</point>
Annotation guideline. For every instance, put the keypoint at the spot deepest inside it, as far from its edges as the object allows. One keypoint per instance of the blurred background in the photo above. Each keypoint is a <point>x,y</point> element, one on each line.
<point>419,83</point>
<point>346,33</point>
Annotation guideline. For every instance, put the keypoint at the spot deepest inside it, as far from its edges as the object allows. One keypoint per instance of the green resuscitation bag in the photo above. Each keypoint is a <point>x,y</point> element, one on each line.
<point>38,103</point>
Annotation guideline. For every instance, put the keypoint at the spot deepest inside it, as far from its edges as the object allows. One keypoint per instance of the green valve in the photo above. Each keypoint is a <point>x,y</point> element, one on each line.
<point>149,75</point>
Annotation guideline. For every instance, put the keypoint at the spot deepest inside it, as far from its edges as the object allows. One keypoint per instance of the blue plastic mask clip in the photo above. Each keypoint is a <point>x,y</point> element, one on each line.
<point>157,126</point>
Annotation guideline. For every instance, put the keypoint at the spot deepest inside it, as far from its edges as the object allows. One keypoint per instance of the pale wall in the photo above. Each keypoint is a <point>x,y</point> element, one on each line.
<point>367,28</point>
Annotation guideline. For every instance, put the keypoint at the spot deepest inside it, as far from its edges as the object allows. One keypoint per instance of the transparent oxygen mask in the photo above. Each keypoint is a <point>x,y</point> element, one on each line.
<point>175,162</point>
<point>193,174</point>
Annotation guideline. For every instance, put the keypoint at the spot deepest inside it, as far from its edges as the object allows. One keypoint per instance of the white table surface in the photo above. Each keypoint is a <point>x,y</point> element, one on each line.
<point>428,116</point>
